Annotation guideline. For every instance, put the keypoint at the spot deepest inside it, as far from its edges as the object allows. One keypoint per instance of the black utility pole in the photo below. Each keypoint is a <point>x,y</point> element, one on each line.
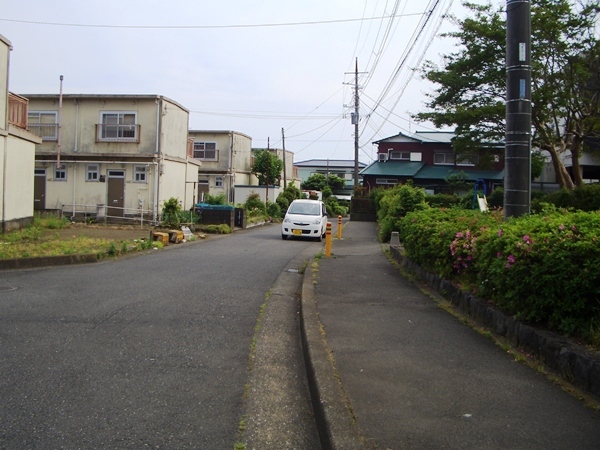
<point>517,178</point>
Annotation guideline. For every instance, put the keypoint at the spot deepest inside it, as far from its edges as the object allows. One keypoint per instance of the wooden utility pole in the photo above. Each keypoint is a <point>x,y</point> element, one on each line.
<point>356,105</point>
<point>59,133</point>
<point>355,119</point>
<point>284,171</point>
<point>268,167</point>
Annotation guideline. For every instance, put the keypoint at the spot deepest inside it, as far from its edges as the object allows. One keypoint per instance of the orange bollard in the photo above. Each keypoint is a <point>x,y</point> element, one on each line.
<point>339,228</point>
<point>328,240</point>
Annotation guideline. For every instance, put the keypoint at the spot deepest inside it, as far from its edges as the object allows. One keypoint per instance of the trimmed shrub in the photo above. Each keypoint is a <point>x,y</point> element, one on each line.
<point>442,240</point>
<point>442,200</point>
<point>394,204</point>
<point>254,204</point>
<point>544,269</point>
<point>273,209</point>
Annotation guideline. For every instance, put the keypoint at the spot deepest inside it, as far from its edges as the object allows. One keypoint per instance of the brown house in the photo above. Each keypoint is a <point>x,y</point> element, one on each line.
<point>428,159</point>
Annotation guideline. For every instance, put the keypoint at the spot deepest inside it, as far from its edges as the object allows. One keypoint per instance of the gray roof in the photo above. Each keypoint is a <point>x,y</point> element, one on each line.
<point>443,137</point>
<point>105,97</point>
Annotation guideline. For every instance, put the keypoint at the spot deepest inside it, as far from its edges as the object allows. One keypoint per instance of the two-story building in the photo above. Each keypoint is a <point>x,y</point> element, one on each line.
<point>428,159</point>
<point>343,168</point>
<point>226,158</point>
<point>118,156</point>
<point>17,152</point>
<point>289,176</point>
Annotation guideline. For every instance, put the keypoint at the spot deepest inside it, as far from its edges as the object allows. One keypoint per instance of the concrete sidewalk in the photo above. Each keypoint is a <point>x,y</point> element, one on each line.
<point>392,370</point>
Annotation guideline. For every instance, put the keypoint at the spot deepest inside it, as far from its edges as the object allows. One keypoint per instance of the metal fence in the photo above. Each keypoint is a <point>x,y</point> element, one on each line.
<point>104,214</point>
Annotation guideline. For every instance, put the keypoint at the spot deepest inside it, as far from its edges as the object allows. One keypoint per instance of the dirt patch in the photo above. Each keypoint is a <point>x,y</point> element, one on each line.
<point>115,233</point>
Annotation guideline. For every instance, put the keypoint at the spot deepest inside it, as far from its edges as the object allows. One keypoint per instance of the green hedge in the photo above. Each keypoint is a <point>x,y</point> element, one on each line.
<point>543,268</point>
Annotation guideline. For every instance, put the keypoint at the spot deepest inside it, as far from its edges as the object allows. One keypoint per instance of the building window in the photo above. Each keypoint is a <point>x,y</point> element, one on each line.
<point>219,182</point>
<point>386,181</point>
<point>467,160</point>
<point>43,124</point>
<point>92,172</point>
<point>119,127</point>
<point>443,158</point>
<point>398,155</point>
<point>206,151</point>
<point>139,174</point>
<point>60,173</point>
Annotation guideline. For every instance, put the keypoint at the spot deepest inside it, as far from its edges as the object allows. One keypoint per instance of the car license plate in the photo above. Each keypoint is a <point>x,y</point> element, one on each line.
<point>297,232</point>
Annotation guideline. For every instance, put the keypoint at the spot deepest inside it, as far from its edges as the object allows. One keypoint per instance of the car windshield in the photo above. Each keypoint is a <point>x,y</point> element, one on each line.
<point>307,209</point>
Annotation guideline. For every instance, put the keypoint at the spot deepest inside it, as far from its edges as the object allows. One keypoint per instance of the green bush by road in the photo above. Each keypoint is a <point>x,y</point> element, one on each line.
<point>542,268</point>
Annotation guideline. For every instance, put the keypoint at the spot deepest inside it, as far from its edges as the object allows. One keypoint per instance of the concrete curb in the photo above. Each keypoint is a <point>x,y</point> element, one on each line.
<point>574,364</point>
<point>337,428</point>
<point>44,261</point>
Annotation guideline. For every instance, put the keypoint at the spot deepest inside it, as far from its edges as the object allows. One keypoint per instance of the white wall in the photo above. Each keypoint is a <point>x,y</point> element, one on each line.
<point>242,193</point>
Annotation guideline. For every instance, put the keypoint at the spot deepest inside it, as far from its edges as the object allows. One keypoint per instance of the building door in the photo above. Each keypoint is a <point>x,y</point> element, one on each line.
<point>39,190</point>
<point>203,189</point>
<point>116,193</point>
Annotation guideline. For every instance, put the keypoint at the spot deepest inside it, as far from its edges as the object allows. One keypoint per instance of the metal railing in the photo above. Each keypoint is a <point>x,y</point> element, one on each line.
<point>106,214</point>
<point>47,131</point>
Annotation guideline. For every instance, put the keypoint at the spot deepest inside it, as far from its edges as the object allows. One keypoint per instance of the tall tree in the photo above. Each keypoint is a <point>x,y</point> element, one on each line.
<point>267,167</point>
<point>318,182</point>
<point>471,92</point>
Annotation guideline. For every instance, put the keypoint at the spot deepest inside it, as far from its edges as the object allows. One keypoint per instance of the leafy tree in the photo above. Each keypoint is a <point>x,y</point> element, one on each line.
<point>291,192</point>
<point>318,182</point>
<point>287,196</point>
<point>458,182</point>
<point>267,167</point>
<point>472,84</point>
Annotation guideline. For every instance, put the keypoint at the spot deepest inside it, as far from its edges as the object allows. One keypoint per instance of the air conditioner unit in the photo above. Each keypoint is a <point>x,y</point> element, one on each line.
<point>383,157</point>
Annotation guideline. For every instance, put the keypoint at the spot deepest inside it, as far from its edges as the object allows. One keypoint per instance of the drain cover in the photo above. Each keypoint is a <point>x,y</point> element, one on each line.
<point>7,288</point>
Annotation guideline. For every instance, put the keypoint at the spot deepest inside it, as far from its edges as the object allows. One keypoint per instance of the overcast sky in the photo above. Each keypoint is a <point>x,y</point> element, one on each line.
<point>249,66</point>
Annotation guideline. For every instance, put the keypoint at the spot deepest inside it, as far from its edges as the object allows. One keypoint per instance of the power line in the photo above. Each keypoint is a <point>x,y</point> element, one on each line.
<point>263,115</point>
<point>414,41</point>
<point>205,27</point>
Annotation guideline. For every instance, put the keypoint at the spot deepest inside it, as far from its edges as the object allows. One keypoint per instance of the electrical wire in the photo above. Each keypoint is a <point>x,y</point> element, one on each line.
<point>402,62</point>
<point>262,115</point>
<point>328,130</point>
<point>199,27</point>
<point>407,52</point>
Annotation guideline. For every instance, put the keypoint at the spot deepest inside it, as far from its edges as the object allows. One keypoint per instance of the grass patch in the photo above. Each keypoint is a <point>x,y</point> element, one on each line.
<point>42,239</point>
<point>28,248</point>
<point>216,229</point>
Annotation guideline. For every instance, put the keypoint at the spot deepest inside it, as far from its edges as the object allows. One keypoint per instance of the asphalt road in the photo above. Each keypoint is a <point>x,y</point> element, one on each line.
<point>143,351</point>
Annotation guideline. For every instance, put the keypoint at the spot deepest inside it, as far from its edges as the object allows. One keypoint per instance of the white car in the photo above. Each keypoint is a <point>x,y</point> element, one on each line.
<point>305,218</point>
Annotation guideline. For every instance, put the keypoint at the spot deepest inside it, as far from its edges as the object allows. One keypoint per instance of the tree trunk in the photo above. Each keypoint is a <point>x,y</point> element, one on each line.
<point>562,176</point>
<point>575,155</point>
